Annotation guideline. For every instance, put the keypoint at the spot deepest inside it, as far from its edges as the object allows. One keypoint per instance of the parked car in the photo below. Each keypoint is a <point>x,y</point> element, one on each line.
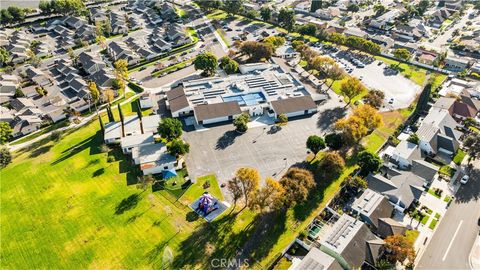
<point>391,101</point>
<point>464,179</point>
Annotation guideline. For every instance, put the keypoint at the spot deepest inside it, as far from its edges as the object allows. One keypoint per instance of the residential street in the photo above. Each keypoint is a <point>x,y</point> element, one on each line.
<point>454,238</point>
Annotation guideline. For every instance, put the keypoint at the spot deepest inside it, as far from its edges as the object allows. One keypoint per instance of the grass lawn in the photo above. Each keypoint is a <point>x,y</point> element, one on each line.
<point>282,264</point>
<point>416,74</point>
<point>222,36</point>
<point>433,223</point>
<point>391,120</point>
<point>459,156</point>
<point>474,129</point>
<point>437,216</point>
<point>447,170</point>
<point>337,85</point>
<point>412,235</point>
<point>172,68</point>
<point>52,127</point>
<point>424,219</point>
<point>431,191</point>
<point>68,208</point>
<point>447,199</point>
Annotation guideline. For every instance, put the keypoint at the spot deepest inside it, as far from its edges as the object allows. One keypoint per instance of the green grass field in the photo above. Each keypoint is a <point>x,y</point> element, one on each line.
<point>65,207</point>
<point>416,74</point>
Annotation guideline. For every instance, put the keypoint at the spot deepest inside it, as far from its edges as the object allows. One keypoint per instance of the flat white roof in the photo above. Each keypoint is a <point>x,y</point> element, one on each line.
<point>134,140</point>
<point>150,123</point>
<point>113,130</point>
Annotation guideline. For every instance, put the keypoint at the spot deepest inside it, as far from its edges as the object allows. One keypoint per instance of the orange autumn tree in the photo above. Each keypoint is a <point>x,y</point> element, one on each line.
<point>399,248</point>
<point>363,120</point>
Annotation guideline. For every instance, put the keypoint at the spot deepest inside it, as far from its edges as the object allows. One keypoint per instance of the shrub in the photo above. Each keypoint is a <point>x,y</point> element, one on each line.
<point>334,141</point>
<point>136,88</point>
<point>241,122</point>
<point>110,159</point>
<point>56,135</point>
<point>104,148</point>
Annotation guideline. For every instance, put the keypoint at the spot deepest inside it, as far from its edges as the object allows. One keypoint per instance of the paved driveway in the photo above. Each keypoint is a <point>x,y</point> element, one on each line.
<point>221,150</point>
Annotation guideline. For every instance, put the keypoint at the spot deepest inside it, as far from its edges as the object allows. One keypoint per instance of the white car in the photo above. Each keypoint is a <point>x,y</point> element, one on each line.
<point>464,179</point>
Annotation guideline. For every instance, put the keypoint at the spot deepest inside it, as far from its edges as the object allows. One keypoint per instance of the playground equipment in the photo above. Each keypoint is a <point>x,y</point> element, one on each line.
<point>206,204</point>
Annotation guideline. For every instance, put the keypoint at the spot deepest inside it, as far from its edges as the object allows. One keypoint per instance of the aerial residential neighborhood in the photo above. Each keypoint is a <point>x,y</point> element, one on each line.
<point>240,134</point>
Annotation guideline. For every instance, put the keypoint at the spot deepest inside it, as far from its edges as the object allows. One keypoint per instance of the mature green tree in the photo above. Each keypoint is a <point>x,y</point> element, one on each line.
<point>206,62</point>
<point>120,112</point>
<point>5,132</point>
<point>247,179</point>
<point>422,6</point>
<point>413,138</point>
<point>110,114</point>
<point>94,93</point>
<point>297,184</point>
<point>5,17</point>
<point>315,143</point>
<point>353,7</point>
<point>282,119</point>
<point>316,4</point>
<point>233,7</point>
<point>270,196</point>
<point>374,98</point>
<point>4,56</point>
<point>45,6</point>
<point>307,29</point>
<point>170,128</point>
<point>100,121</point>
<point>241,122</point>
<point>334,141</point>
<point>351,88</point>
<point>229,65</point>
<point>356,183</point>
<point>257,50</point>
<point>402,54</point>
<point>5,157</point>
<point>286,19</point>
<point>121,68</point>
<point>379,9</point>
<point>266,13</point>
<point>332,162</point>
<point>472,143</point>
<point>17,13</point>
<point>276,41</point>
<point>368,162</point>
<point>178,147</point>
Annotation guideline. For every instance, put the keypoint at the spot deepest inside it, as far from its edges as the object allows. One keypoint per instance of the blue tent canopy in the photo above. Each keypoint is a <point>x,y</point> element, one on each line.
<point>169,173</point>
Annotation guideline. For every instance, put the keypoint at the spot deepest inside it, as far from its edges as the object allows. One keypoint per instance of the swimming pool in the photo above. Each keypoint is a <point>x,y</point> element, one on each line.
<point>246,99</point>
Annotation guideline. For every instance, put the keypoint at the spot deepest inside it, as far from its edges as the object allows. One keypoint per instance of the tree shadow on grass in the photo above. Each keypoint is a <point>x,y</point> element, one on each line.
<point>93,143</point>
<point>98,172</point>
<point>226,140</point>
<point>40,151</point>
<point>218,240</point>
<point>125,166</point>
<point>127,204</point>
<point>328,117</point>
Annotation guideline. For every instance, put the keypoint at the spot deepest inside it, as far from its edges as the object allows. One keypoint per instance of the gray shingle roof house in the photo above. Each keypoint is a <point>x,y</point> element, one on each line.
<point>438,133</point>
<point>351,242</point>
<point>371,206</point>
<point>103,79</point>
<point>389,226</point>
<point>74,22</point>
<point>294,106</point>
<point>25,124</point>
<point>400,187</point>
<point>225,110</point>
<point>90,63</point>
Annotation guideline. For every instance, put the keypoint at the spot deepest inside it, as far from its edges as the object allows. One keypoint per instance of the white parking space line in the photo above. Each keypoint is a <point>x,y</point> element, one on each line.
<point>451,241</point>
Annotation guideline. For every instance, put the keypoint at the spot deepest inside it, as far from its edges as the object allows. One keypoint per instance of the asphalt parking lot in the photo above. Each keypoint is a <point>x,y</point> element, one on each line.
<point>376,75</point>
<point>396,86</point>
<point>221,150</point>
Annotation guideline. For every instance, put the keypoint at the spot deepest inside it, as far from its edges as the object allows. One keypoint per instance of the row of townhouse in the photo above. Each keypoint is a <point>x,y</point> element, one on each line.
<point>17,43</point>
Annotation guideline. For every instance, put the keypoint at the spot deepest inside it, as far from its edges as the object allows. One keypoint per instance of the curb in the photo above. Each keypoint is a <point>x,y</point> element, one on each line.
<point>477,242</point>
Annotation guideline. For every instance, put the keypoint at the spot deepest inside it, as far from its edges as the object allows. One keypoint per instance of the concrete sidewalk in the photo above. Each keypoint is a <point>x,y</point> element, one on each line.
<point>474,257</point>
